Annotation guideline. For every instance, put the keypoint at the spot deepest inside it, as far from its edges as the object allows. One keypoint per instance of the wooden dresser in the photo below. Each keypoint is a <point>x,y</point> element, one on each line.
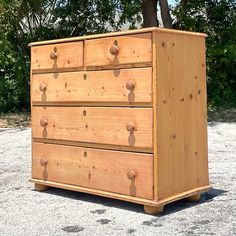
<point>121,115</point>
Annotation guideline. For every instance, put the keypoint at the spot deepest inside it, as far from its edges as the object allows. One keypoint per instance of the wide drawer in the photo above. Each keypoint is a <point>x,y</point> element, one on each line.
<point>105,125</point>
<point>120,172</point>
<point>124,85</point>
<point>56,57</point>
<point>135,48</point>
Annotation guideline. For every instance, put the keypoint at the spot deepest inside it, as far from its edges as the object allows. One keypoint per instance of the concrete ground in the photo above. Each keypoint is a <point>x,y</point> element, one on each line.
<point>24,211</point>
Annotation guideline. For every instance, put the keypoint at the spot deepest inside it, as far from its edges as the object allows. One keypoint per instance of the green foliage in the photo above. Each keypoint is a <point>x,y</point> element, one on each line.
<point>25,21</point>
<point>217,18</point>
<point>221,60</point>
<point>75,18</point>
<point>14,53</point>
<point>14,88</point>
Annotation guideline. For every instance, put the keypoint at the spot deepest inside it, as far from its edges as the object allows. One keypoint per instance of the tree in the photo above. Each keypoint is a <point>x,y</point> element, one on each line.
<point>165,14</point>
<point>20,21</point>
<point>149,11</point>
<point>217,18</point>
<point>24,21</point>
<point>75,18</point>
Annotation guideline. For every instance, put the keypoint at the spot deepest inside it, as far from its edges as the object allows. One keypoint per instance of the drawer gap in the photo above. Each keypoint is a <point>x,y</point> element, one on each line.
<point>94,145</point>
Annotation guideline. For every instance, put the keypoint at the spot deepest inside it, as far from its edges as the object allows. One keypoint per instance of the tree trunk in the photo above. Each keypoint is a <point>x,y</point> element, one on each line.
<point>184,4</point>
<point>149,10</point>
<point>165,14</point>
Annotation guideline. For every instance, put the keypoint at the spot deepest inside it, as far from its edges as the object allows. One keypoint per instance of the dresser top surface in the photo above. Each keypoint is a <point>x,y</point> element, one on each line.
<point>112,34</point>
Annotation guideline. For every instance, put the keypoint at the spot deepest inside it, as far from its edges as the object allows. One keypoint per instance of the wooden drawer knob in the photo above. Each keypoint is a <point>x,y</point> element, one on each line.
<point>53,55</point>
<point>131,174</point>
<point>43,162</point>
<point>130,85</point>
<point>130,127</point>
<point>114,50</point>
<point>42,87</point>
<point>43,122</point>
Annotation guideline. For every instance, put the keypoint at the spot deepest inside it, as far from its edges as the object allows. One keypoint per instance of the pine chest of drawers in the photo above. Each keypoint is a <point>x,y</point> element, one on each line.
<point>121,115</point>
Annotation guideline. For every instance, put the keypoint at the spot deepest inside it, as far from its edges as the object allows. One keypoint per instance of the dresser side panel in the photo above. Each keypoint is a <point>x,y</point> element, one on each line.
<point>181,114</point>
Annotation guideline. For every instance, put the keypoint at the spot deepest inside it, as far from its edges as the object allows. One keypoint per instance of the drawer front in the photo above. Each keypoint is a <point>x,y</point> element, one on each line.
<point>104,125</point>
<point>120,172</point>
<point>135,48</point>
<point>57,56</point>
<point>125,85</point>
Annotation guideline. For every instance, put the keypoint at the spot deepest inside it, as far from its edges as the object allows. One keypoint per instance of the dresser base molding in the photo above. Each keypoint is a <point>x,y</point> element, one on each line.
<point>150,207</point>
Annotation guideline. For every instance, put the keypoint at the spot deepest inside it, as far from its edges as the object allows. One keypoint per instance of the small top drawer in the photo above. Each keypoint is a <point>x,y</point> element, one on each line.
<point>56,57</point>
<point>112,51</point>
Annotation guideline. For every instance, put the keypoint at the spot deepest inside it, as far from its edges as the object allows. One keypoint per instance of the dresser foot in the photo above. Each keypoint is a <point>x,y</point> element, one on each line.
<point>194,198</point>
<point>153,210</point>
<point>40,187</point>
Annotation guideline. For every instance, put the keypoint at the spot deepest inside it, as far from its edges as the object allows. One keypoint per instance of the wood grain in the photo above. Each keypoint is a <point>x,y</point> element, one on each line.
<point>181,125</point>
<point>200,88</point>
<point>69,55</point>
<point>97,125</point>
<point>98,169</point>
<point>85,141</point>
<point>135,48</point>
<point>119,33</point>
<point>94,86</point>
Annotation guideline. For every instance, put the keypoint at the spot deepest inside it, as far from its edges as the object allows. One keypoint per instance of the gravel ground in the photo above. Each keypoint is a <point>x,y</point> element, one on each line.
<point>24,211</point>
